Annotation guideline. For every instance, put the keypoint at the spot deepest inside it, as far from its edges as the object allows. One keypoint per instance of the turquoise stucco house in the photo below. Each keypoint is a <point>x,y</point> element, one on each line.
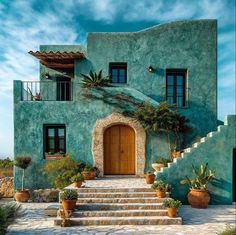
<point>176,62</point>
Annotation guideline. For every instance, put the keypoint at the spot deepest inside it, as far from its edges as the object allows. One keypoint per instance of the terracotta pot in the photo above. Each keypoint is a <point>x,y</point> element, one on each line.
<point>150,179</point>
<point>22,195</point>
<point>157,166</point>
<point>89,175</point>
<point>175,154</point>
<point>198,198</point>
<point>68,204</point>
<point>77,184</point>
<point>160,194</point>
<point>172,212</point>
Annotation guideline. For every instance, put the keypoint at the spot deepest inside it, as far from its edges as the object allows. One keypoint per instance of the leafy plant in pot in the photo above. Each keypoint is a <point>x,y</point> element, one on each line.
<point>22,195</point>
<point>161,188</point>
<point>172,206</point>
<point>69,198</point>
<point>150,177</point>
<point>198,196</point>
<point>77,179</point>
<point>89,172</point>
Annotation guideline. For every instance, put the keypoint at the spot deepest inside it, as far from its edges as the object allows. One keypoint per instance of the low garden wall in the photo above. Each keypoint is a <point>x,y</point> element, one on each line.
<point>6,187</point>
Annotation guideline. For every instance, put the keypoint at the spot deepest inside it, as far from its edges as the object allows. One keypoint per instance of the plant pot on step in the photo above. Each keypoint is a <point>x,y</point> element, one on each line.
<point>22,195</point>
<point>157,166</point>
<point>160,193</point>
<point>172,212</point>
<point>150,177</point>
<point>89,175</point>
<point>198,198</point>
<point>68,204</point>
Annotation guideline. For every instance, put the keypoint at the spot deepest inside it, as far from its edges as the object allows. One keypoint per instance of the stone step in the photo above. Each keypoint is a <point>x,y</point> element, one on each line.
<point>117,195</point>
<point>121,200</point>
<point>138,220</point>
<point>118,206</point>
<point>113,190</point>
<point>119,213</point>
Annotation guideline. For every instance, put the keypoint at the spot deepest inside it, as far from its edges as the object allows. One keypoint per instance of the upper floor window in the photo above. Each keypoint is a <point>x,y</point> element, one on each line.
<point>54,139</point>
<point>176,87</point>
<point>118,72</point>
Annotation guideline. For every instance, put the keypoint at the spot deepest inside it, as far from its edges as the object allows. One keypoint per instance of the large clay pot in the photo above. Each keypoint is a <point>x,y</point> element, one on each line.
<point>68,204</point>
<point>157,166</point>
<point>89,175</point>
<point>172,212</point>
<point>77,184</point>
<point>198,198</point>
<point>22,195</point>
<point>160,193</point>
<point>150,178</point>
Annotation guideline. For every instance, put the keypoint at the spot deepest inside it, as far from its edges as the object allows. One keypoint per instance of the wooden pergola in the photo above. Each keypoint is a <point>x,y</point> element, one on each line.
<point>60,61</point>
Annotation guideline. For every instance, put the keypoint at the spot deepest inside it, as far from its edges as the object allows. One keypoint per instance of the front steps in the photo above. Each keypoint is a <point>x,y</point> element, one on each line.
<point>119,206</point>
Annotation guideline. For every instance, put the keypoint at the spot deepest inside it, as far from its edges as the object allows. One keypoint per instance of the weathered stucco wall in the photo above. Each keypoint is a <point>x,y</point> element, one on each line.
<point>217,150</point>
<point>184,44</point>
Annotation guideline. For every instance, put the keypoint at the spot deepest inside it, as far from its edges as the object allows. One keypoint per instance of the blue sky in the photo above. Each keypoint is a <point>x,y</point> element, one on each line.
<point>25,24</point>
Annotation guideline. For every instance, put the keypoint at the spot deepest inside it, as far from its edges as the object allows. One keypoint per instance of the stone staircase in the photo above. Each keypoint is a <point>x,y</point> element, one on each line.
<point>119,206</point>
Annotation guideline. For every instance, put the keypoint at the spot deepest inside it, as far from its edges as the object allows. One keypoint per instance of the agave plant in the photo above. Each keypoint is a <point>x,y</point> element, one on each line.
<point>202,178</point>
<point>94,80</point>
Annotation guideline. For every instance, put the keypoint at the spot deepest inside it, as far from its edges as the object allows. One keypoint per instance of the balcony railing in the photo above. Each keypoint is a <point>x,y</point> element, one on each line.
<point>47,91</point>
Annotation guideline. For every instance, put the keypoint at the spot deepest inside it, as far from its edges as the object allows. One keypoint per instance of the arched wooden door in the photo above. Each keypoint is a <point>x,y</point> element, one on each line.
<point>119,150</point>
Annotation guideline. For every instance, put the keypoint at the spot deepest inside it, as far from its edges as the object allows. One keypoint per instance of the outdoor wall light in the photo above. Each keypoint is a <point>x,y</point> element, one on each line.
<point>151,69</point>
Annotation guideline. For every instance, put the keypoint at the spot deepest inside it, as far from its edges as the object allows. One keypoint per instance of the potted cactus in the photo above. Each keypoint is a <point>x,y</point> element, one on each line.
<point>22,195</point>
<point>161,188</point>
<point>69,198</point>
<point>77,179</point>
<point>172,206</point>
<point>150,177</point>
<point>198,196</point>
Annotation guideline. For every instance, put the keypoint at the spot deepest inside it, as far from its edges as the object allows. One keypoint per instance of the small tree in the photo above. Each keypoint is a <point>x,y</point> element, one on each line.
<point>23,163</point>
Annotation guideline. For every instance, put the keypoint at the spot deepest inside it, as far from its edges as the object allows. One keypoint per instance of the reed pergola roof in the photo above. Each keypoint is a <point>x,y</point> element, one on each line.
<point>58,60</point>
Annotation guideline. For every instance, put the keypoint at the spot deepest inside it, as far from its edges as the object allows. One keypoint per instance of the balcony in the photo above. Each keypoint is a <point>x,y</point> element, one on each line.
<point>47,91</point>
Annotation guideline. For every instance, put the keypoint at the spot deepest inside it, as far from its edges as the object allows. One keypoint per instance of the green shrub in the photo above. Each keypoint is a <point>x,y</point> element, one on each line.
<point>230,230</point>
<point>69,194</point>
<point>161,185</point>
<point>60,171</point>
<point>77,178</point>
<point>7,214</point>
<point>172,203</point>
<point>6,163</point>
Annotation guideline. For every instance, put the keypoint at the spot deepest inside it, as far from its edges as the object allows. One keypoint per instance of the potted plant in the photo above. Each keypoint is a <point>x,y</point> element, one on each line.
<point>160,163</point>
<point>23,163</point>
<point>150,177</point>
<point>89,172</point>
<point>172,206</point>
<point>198,196</point>
<point>161,188</point>
<point>69,198</point>
<point>77,179</point>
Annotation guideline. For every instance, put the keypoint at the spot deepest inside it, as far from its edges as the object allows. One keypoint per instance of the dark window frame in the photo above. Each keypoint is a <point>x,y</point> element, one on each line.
<point>56,138</point>
<point>64,89</point>
<point>118,65</point>
<point>175,73</point>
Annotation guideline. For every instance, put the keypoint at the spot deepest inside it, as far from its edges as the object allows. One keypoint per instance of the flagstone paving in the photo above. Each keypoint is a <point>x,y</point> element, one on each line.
<point>195,221</point>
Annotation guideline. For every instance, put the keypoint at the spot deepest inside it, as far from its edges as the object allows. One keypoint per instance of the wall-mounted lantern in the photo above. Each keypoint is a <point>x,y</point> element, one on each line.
<point>151,69</point>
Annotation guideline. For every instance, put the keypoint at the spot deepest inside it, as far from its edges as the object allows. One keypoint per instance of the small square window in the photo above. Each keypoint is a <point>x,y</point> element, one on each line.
<point>118,72</point>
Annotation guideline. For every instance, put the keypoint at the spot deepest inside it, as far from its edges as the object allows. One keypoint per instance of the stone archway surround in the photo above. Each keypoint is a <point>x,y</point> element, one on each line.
<point>97,141</point>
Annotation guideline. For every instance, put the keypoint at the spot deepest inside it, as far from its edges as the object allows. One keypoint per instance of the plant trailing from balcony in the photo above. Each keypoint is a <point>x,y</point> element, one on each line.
<point>94,80</point>
<point>198,195</point>
<point>23,163</point>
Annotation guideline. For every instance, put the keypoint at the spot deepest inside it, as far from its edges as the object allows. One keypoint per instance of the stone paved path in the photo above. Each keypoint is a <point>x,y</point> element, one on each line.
<point>195,222</point>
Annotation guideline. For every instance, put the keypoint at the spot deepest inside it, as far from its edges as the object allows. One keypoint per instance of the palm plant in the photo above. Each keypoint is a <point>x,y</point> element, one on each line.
<point>23,163</point>
<point>202,178</point>
<point>94,80</point>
